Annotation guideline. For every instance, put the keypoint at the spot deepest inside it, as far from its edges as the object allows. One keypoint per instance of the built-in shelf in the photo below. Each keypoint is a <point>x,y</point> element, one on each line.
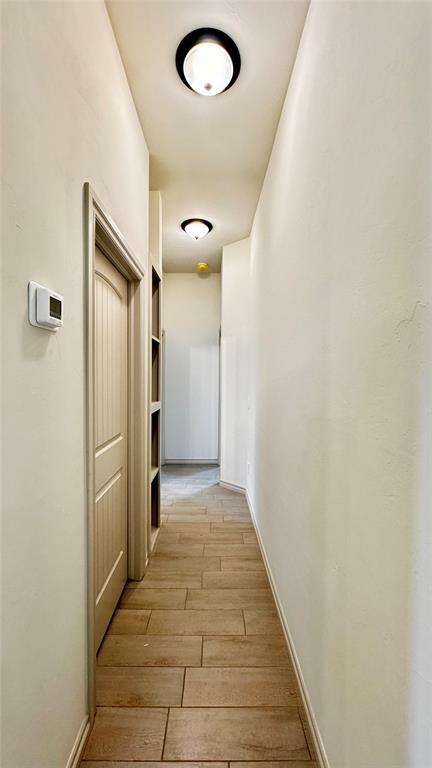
<point>156,320</point>
<point>155,356</point>
<point>155,378</point>
<point>155,502</point>
<point>153,472</point>
<point>155,372</point>
<point>154,533</point>
<point>155,440</point>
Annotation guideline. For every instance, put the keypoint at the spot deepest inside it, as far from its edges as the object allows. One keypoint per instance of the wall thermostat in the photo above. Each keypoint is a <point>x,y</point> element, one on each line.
<point>45,307</point>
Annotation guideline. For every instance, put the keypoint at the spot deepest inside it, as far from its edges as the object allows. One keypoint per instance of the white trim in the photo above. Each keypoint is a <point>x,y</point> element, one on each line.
<point>101,231</point>
<point>232,486</point>
<point>321,756</point>
<point>79,744</point>
<point>212,462</point>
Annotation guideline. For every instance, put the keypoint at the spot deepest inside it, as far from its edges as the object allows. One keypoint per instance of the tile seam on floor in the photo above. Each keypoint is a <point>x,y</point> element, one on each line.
<point>250,707</point>
<point>183,688</point>
<point>148,622</point>
<point>288,707</point>
<point>168,666</point>
<point>165,734</point>
<point>303,728</point>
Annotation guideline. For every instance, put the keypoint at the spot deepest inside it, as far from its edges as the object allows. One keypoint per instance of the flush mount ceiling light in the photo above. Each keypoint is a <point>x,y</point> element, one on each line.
<point>208,61</point>
<point>196,228</point>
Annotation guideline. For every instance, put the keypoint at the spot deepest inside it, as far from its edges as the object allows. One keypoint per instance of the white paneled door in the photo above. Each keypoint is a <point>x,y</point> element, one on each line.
<point>111,453</point>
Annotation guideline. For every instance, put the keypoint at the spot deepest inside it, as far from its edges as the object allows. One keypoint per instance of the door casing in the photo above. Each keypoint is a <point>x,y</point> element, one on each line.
<point>101,230</point>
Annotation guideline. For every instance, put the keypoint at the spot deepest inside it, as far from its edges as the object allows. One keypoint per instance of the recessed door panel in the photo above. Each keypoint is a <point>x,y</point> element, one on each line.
<point>111,410</point>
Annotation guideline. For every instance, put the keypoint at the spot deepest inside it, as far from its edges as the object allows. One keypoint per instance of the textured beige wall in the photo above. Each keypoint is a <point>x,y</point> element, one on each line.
<point>68,117</point>
<point>342,386</point>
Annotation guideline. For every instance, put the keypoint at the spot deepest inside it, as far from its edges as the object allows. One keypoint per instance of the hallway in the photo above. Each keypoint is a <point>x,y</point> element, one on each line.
<point>216,385</point>
<point>194,666</point>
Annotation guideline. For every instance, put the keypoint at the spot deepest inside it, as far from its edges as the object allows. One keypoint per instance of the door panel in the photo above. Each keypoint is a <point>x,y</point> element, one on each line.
<point>111,412</point>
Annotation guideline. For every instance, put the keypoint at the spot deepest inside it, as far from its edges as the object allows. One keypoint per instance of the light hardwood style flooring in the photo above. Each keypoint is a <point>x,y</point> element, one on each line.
<point>194,671</point>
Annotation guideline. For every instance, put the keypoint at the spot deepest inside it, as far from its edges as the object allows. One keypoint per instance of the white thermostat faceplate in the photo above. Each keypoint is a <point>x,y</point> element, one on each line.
<point>45,307</point>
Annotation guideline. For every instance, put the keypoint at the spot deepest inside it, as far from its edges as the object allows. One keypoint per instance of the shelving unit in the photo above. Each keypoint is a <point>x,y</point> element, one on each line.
<point>155,403</point>
<point>154,369</point>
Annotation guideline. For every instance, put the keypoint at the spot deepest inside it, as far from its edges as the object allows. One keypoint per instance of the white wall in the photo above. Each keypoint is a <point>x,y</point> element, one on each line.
<point>235,362</point>
<point>342,388</point>
<point>191,312</point>
<point>68,117</point>
<point>155,228</point>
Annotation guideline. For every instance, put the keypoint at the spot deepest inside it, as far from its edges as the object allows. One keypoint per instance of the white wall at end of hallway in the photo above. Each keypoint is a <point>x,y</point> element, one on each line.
<point>191,307</point>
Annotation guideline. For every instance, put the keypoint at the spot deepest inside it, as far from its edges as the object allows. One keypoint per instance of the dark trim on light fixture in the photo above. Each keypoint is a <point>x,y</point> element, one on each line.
<point>202,221</point>
<point>203,35</point>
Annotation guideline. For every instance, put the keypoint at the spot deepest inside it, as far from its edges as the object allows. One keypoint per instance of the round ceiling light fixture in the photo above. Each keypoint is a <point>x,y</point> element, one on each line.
<point>208,61</point>
<point>196,228</point>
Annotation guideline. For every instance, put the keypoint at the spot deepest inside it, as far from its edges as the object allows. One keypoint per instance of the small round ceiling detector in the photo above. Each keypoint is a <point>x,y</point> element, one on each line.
<point>196,228</point>
<point>208,61</point>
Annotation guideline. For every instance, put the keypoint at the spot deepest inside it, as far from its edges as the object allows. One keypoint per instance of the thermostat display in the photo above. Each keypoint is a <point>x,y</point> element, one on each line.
<point>55,308</point>
<point>45,307</point>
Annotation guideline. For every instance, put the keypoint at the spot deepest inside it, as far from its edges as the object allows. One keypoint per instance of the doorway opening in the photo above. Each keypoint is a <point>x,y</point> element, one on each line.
<point>116,449</point>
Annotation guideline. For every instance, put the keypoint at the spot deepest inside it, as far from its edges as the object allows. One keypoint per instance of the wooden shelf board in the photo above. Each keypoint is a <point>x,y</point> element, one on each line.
<point>153,473</point>
<point>156,339</point>
<point>154,533</point>
<point>155,406</point>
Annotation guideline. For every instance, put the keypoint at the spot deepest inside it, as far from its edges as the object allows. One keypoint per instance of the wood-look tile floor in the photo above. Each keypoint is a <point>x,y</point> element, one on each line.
<point>194,671</point>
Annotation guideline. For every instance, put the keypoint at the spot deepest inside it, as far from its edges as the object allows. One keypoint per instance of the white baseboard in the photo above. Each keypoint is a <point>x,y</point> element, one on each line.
<point>210,462</point>
<point>321,755</point>
<point>78,747</point>
<point>232,486</point>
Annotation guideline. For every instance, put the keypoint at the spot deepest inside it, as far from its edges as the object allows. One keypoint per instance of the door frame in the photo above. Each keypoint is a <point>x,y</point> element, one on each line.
<point>101,231</point>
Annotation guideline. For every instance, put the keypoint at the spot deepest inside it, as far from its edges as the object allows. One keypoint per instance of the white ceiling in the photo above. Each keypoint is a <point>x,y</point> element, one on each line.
<point>208,154</point>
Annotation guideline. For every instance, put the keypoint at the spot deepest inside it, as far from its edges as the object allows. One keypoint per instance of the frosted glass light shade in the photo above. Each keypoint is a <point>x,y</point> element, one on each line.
<point>196,228</point>
<point>208,61</point>
<point>208,68</point>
